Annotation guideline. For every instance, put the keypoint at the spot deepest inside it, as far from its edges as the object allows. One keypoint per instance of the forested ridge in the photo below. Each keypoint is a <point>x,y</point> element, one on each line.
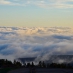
<point>4,63</point>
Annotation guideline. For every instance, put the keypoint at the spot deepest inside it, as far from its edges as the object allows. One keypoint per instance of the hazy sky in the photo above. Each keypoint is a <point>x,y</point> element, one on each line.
<point>32,13</point>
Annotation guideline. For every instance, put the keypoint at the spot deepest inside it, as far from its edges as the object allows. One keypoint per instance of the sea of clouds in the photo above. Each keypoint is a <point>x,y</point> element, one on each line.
<point>39,42</point>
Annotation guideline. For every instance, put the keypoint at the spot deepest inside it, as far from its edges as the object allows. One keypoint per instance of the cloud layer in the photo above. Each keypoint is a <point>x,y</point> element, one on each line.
<point>17,42</point>
<point>40,3</point>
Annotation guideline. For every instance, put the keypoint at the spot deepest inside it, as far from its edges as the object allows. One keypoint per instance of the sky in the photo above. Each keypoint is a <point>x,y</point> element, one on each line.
<point>36,13</point>
<point>23,31</point>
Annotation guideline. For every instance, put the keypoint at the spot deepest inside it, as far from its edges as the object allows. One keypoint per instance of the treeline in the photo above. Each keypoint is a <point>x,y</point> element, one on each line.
<point>6,63</point>
<point>42,64</point>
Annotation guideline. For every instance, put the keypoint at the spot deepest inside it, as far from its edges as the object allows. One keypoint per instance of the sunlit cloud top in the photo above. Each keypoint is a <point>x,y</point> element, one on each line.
<point>22,42</point>
<point>40,3</point>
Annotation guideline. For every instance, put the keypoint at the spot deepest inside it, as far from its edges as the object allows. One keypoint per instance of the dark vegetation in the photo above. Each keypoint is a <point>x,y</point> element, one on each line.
<point>6,65</point>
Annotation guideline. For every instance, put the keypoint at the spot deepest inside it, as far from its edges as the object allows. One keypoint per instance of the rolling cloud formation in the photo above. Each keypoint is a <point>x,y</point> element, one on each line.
<point>18,42</point>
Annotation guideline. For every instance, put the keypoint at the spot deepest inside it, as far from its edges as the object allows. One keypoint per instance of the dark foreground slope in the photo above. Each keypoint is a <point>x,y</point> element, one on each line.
<point>41,70</point>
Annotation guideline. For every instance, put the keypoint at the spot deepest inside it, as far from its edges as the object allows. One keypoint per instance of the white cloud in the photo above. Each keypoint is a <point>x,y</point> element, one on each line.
<point>16,42</point>
<point>40,3</point>
<point>7,2</point>
<point>4,2</point>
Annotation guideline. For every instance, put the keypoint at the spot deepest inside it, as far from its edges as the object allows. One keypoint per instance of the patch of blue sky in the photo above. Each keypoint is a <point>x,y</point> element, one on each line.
<point>70,3</point>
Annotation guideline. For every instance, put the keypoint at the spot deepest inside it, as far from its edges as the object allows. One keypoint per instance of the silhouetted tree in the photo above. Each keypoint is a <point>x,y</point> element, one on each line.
<point>32,64</point>
<point>40,64</point>
<point>43,64</point>
<point>28,64</point>
<point>24,65</point>
<point>18,64</point>
<point>14,62</point>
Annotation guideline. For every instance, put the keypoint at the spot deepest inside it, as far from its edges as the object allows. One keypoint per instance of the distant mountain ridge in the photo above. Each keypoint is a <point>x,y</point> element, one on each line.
<point>26,59</point>
<point>52,59</point>
<point>61,59</point>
